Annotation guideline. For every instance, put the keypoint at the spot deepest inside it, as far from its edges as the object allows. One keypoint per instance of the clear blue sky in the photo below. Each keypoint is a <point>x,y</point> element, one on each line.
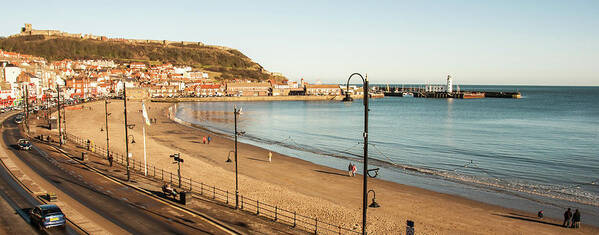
<point>478,42</point>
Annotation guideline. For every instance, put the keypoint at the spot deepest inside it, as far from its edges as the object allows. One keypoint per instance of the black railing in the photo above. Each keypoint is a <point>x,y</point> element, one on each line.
<point>225,197</point>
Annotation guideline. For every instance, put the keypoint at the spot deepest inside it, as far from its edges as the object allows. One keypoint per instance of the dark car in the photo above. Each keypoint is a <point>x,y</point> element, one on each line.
<point>19,119</point>
<point>24,144</point>
<point>47,216</point>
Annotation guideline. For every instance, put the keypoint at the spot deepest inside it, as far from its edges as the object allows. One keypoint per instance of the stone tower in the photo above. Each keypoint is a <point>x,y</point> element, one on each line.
<point>26,29</point>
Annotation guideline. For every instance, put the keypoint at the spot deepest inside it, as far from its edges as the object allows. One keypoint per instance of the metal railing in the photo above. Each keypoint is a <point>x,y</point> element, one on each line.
<point>226,197</point>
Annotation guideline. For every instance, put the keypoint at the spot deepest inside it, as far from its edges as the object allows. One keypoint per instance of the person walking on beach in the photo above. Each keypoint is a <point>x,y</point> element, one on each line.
<point>209,139</point>
<point>269,156</point>
<point>353,170</point>
<point>349,170</point>
<point>540,214</point>
<point>576,219</point>
<point>204,139</point>
<point>567,218</point>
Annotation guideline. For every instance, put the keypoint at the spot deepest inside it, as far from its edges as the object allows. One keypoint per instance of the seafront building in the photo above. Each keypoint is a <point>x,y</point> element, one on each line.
<point>82,79</point>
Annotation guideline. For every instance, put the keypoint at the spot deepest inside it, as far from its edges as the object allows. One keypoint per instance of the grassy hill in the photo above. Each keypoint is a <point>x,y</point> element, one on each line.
<point>228,63</point>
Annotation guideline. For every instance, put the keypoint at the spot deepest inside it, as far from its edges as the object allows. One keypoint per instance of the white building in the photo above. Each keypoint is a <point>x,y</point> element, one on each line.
<point>11,73</point>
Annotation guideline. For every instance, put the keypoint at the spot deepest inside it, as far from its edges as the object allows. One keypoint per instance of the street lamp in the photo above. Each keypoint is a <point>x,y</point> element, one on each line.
<point>365,135</point>
<point>58,111</point>
<point>236,112</point>
<point>373,204</point>
<point>229,156</point>
<point>127,126</point>
<point>177,158</point>
<point>132,139</point>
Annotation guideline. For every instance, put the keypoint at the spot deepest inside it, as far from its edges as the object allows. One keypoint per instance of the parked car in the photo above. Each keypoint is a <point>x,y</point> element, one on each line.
<point>19,119</point>
<point>47,216</point>
<point>24,144</point>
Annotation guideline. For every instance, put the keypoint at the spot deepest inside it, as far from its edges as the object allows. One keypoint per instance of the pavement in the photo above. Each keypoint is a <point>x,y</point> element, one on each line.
<point>99,205</point>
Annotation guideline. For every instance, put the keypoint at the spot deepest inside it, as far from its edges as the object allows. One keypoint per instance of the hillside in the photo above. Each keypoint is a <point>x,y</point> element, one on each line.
<point>228,63</point>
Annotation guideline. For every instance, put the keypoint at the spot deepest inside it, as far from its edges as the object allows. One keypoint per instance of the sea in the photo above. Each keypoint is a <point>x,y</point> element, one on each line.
<point>540,152</point>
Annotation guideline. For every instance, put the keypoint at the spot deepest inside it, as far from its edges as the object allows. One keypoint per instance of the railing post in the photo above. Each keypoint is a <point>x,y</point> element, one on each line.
<point>257,207</point>
<point>227,197</point>
<point>276,212</point>
<point>339,229</point>
<point>154,167</point>
<point>316,225</point>
<point>213,192</point>
<point>294,219</point>
<point>162,174</point>
<point>241,202</point>
<point>201,188</point>
<point>190,184</point>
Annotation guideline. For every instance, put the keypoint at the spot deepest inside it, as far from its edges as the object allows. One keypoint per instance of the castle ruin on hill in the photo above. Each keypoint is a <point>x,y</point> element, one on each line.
<point>29,31</point>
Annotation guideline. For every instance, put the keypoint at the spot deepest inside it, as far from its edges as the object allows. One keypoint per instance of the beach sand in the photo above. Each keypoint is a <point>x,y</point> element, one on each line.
<point>299,185</point>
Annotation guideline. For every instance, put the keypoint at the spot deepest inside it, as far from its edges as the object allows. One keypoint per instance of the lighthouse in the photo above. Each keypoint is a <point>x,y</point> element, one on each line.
<point>449,84</point>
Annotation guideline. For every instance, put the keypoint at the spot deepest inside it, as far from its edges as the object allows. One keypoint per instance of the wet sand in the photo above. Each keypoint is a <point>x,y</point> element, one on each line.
<point>300,185</point>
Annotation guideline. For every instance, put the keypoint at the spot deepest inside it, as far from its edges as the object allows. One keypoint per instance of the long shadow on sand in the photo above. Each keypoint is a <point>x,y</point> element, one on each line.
<point>256,159</point>
<point>331,173</point>
<point>527,218</point>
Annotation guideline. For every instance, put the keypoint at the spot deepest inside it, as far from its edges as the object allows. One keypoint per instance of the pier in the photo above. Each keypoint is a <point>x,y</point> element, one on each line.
<point>421,91</point>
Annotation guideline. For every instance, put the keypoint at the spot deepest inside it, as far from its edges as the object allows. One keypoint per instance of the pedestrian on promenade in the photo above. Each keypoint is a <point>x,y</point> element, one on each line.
<point>269,156</point>
<point>540,214</point>
<point>349,170</point>
<point>353,170</point>
<point>204,139</point>
<point>209,139</point>
<point>567,218</point>
<point>576,219</point>
<point>110,159</point>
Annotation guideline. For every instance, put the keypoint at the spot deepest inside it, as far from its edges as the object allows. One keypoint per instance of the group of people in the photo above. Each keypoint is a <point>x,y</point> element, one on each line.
<point>572,220</point>
<point>351,169</point>
<point>206,140</point>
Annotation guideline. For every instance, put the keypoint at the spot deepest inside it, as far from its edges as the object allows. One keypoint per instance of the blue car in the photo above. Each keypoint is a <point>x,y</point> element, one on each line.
<point>48,216</point>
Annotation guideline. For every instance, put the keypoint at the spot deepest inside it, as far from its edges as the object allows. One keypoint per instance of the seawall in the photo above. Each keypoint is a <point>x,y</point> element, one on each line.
<point>247,98</point>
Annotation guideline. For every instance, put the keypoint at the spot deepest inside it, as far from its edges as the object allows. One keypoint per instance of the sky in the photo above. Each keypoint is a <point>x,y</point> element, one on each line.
<point>403,42</point>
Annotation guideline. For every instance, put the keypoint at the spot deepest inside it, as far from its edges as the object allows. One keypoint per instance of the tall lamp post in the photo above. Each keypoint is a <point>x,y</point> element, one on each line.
<point>236,112</point>
<point>26,107</point>
<point>107,136</point>
<point>365,135</point>
<point>127,126</point>
<point>58,111</point>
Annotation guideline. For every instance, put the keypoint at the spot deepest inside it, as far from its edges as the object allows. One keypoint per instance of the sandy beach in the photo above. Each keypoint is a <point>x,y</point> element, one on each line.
<point>299,185</point>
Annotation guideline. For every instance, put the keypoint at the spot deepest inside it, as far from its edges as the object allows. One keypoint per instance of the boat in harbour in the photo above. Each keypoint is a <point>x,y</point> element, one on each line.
<point>407,94</point>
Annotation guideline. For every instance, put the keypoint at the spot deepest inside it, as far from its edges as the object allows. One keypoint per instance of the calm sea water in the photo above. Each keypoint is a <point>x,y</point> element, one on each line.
<point>538,152</point>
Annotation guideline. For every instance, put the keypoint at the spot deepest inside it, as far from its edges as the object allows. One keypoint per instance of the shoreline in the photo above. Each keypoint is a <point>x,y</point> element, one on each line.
<point>518,198</point>
<point>313,189</point>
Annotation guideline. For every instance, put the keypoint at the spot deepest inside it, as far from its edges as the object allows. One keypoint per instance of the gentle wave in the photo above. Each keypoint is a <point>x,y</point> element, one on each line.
<point>573,193</point>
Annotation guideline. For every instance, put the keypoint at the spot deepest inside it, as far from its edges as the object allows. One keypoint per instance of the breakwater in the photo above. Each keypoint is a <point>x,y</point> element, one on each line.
<point>421,92</point>
<point>247,98</point>
<point>259,98</point>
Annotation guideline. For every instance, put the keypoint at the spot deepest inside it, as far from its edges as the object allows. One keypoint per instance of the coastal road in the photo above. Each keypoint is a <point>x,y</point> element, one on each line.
<point>15,204</point>
<point>119,211</point>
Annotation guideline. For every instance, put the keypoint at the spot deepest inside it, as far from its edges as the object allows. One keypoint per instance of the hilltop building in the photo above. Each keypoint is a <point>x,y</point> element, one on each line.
<point>28,30</point>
